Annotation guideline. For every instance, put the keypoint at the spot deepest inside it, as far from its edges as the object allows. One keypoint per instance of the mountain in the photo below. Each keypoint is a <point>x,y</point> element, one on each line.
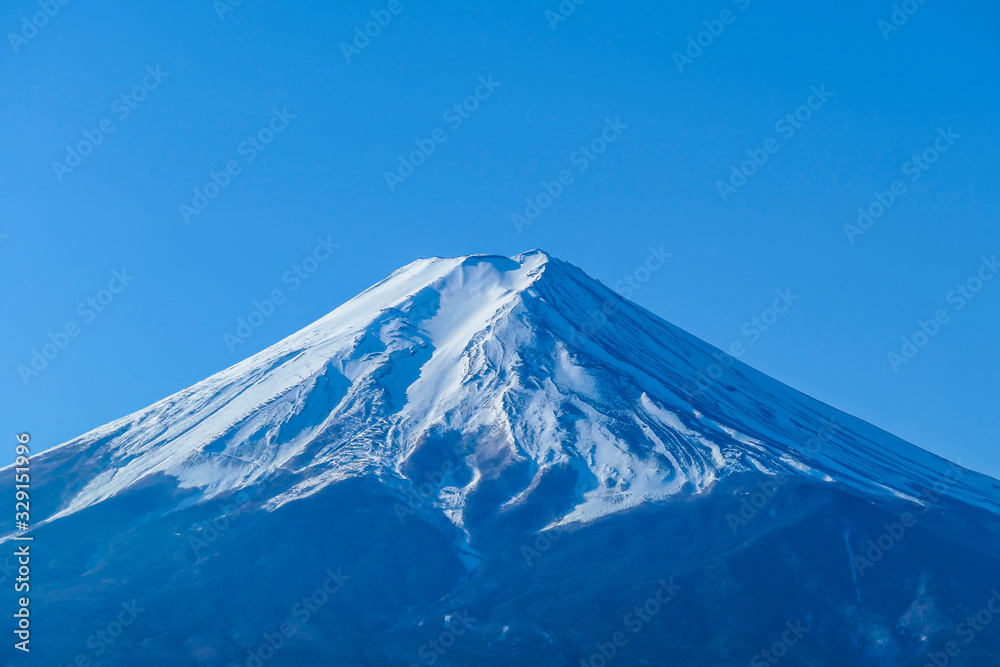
<point>487,460</point>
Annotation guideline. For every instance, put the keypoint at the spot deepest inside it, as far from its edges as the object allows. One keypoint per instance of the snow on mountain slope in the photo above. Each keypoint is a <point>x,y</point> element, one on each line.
<point>493,349</point>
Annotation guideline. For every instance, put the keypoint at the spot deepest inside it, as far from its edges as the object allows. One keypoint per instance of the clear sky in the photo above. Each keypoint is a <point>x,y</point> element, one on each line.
<point>642,124</point>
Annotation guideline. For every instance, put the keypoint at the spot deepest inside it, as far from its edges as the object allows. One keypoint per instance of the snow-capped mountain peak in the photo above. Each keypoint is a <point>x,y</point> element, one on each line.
<point>529,364</point>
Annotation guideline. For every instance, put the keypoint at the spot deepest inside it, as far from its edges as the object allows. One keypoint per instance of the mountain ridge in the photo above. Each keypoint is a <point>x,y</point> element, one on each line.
<point>510,441</point>
<point>494,347</point>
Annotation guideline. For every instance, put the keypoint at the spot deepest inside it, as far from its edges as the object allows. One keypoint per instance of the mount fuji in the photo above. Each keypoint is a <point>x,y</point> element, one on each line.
<point>487,460</point>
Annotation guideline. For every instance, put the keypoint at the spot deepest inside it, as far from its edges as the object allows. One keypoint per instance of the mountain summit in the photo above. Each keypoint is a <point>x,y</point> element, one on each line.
<point>539,363</point>
<point>474,410</point>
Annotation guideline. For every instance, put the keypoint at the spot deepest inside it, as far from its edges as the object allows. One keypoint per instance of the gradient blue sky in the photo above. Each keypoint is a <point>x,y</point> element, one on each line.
<point>323,175</point>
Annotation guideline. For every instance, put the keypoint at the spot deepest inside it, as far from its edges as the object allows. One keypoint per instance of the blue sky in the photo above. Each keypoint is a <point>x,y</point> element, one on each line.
<point>300,141</point>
